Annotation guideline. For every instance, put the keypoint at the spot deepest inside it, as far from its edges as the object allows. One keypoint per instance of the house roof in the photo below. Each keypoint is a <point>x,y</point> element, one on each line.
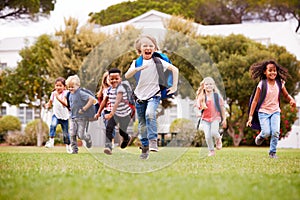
<point>15,43</point>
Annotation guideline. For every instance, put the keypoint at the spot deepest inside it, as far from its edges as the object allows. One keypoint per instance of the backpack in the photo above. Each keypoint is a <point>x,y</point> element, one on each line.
<point>165,78</point>
<point>130,97</point>
<point>255,120</point>
<point>91,110</point>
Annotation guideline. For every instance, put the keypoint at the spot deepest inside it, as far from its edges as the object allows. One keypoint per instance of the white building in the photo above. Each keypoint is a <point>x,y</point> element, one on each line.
<point>280,33</point>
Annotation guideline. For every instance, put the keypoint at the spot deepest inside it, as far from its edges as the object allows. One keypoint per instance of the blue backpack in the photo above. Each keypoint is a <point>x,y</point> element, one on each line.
<point>255,120</point>
<point>165,78</point>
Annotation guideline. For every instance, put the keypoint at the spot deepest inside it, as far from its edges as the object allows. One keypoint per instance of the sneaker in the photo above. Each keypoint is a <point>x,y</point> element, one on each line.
<point>88,141</point>
<point>211,153</point>
<point>153,145</point>
<point>272,155</point>
<point>125,142</point>
<point>69,149</point>
<point>219,143</point>
<point>145,153</point>
<point>49,144</point>
<point>259,140</point>
<point>107,151</point>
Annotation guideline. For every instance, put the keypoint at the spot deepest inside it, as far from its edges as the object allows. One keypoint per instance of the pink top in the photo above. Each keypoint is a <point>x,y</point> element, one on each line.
<point>211,114</point>
<point>271,103</point>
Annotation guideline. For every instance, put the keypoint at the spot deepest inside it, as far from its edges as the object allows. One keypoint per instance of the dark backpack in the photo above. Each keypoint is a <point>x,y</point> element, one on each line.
<point>165,78</point>
<point>255,120</point>
<point>130,97</point>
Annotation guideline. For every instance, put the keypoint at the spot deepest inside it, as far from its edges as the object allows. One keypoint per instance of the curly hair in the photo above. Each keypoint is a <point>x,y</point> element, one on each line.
<point>257,70</point>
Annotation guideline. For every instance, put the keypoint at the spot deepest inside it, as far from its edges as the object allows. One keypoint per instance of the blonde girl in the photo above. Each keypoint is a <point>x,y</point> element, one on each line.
<point>211,105</point>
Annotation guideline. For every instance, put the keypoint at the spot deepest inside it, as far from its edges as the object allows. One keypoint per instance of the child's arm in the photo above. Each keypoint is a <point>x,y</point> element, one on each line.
<point>175,72</point>
<point>118,100</point>
<point>133,70</point>
<point>288,97</point>
<point>102,105</point>
<point>253,106</point>
<point>87,105</point>
<point>49,104</point>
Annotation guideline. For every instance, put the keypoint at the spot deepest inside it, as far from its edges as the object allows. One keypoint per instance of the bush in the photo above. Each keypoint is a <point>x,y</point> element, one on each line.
<point>31,132</point>
<point>8,123</point>
<point>185,130</point>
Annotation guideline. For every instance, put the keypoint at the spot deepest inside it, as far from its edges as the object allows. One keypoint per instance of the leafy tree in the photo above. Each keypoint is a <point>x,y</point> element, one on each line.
<point>71,47</point>
<point>25,9</point>
<point>28,83</point>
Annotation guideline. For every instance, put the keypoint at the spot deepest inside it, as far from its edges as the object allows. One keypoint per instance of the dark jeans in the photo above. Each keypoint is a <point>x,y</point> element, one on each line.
<point>110,127</point>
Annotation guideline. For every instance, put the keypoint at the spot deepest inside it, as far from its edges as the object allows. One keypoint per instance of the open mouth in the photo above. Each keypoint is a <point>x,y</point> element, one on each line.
<point>148,53</point>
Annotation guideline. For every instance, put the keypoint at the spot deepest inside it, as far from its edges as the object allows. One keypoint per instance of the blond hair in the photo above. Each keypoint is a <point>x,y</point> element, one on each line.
<point>73,80</point>
<point>138,43</point>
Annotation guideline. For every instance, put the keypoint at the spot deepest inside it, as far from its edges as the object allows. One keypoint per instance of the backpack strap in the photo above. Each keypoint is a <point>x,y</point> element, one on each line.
<point>217,104</point>
<point>263,93</point>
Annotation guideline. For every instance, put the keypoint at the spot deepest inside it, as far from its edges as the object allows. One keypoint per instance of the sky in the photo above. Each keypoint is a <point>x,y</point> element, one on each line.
<point>78,9</point>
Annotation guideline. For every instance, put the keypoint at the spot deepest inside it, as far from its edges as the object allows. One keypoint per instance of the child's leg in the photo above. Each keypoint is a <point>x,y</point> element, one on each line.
<point>141,113</point>
<point>111,123</point>
<point>124,121</point>
<point>73,135</point>
<point>53,125</point>
<point>64,126</point>
<point>275,131</point>
<point>151,122</point>
<point>208,136</point>
<point>265,124</point>
<point>214,129</point>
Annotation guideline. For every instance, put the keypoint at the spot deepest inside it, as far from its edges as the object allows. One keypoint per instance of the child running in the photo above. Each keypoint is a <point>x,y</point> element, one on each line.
<point>120,114</point>
<point>272,77</point>
<point>80,104</point>
<point>211,105</point>
<point>60,113</point>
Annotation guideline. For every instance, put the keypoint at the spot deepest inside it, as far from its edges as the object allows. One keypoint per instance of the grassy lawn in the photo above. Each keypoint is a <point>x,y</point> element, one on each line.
<point>234,173</point>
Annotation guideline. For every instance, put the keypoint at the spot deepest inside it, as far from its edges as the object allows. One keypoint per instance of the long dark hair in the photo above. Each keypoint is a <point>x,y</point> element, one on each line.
<point>257,70</point>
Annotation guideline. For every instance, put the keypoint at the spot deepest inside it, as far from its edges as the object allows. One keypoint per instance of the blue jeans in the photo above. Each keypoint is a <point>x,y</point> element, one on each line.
<point>64,126</point>
<point>270,125</point>
<point>146,112</point>
<point>211,131</point>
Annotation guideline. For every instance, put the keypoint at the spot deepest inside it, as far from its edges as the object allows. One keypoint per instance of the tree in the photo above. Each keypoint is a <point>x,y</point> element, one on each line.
<point>233,56</point>
<point>72,46</point>
<point>25,9</point>
<point>29,82</point>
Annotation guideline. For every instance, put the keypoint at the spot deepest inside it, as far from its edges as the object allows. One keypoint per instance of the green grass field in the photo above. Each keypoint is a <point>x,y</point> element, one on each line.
<point>234,173</point>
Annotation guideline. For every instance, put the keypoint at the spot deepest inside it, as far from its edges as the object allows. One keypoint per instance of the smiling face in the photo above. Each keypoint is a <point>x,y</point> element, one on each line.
<point>115,79</point>
<point>59,87</point>
<point>209,85</point>
<point>271,72</point>
<point>147,48</point>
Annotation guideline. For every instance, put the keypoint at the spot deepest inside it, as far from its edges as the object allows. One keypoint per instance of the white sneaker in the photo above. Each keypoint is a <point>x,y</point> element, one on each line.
<point>69,149</point>
<point>49,144</point>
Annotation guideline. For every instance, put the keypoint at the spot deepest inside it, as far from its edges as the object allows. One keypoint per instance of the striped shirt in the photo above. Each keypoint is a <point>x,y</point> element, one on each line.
<point>123,109</point>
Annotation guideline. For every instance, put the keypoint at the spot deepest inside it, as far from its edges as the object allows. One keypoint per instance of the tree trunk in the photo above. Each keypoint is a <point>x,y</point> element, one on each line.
<point>236,138</point>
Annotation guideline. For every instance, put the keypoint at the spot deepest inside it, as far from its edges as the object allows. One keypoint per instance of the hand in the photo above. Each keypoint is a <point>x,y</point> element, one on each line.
<point>108,116</point>
<point>97,115</point>
<point>171,90</point>
<point>224,123</point>
<point>293,103</point>
<point>249,122</point>
<point>81,111</point>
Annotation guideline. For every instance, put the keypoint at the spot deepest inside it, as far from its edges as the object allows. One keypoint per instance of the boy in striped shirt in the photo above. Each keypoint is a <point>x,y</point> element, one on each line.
<point>120,113</point>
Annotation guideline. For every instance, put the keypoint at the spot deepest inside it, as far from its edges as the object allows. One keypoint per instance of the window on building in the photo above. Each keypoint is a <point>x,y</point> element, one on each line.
<point>26,114</point>
<point>3,111</point>
<point>3,66</point>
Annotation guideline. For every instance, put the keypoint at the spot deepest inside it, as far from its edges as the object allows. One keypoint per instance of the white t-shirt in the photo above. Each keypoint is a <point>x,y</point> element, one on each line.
<point>59,110</point>
<point>147,85</point>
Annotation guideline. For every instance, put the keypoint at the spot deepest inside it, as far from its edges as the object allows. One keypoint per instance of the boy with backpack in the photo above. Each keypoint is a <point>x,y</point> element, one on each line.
<point>120,113</point>
<point>148,91</point>
<point>82,109</point>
